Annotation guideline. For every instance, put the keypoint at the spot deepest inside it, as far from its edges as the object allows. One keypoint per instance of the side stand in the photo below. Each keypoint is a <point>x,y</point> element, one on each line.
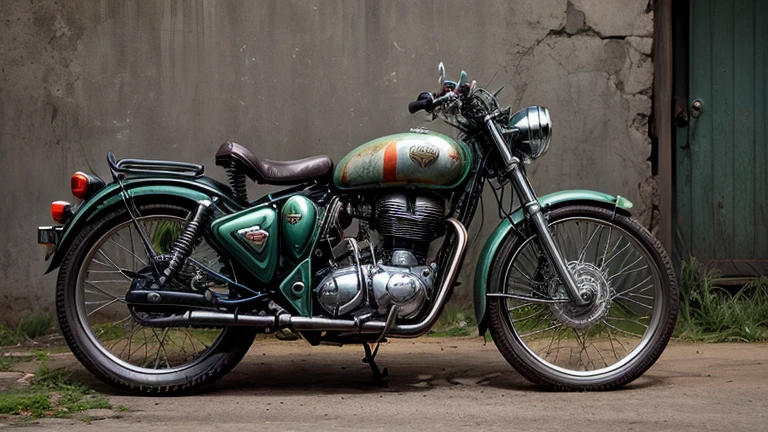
<point>380,376</point>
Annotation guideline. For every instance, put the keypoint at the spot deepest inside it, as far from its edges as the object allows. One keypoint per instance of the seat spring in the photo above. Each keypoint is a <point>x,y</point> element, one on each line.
<point>237,183</point>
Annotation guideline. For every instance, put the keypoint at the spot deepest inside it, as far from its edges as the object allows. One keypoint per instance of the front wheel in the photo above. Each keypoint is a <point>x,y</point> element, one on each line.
<point>609,342</point>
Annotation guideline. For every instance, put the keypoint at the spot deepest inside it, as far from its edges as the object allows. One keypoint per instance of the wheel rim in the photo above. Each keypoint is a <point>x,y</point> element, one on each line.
<point>599,339</point>
<point>111,327</point>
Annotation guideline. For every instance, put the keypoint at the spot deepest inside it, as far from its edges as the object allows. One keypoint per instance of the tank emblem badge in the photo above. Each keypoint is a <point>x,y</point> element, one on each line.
<point>423,155</point>
<point>293,218</point>
<point>255,235</point>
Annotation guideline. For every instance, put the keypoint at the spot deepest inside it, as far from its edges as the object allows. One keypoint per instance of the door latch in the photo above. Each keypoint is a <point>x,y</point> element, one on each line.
<point>696,107</point>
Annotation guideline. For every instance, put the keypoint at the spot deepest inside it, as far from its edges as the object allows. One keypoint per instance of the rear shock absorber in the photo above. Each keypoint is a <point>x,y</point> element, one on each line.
<point>187,241</point>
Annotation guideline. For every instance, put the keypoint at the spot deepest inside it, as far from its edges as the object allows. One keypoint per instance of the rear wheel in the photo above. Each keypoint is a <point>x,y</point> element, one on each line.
<point>105,335</point>
<point>605,344</point>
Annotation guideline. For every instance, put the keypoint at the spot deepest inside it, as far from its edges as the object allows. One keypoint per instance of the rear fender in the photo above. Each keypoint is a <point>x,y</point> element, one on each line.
<point>109,198</point>
<point>505,229</point>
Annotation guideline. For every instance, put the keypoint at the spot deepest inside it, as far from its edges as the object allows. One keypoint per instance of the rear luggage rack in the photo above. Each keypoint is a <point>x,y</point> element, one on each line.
<point>147,166</point>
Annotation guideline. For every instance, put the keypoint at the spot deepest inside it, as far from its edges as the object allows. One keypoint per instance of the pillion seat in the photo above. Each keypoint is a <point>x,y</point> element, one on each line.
<point>234,156</point>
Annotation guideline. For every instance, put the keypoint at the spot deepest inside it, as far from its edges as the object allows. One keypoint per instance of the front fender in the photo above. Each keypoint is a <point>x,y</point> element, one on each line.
<point>202,188</point>
<point>504,229</point>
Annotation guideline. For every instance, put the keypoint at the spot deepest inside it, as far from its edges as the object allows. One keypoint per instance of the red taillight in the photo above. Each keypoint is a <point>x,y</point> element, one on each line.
<point>61,211</point>
<point>85,185</point>
<point>80,184</point>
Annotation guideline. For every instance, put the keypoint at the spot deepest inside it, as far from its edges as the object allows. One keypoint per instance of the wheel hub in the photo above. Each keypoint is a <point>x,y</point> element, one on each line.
<point>594,287</point>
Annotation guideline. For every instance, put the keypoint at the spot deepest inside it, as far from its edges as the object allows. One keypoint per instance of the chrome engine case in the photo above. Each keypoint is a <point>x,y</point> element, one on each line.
<point>384,286</point>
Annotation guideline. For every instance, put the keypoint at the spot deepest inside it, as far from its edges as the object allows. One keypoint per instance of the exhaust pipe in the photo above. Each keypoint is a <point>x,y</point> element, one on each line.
<point>313,323</point>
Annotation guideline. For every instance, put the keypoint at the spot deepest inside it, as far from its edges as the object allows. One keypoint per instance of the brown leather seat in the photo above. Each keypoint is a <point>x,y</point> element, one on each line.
<point>233,155</point>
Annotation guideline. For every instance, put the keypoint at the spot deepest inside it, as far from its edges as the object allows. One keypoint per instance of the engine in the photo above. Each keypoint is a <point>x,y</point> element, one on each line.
<point>394,272</point>
<point>408,222</point>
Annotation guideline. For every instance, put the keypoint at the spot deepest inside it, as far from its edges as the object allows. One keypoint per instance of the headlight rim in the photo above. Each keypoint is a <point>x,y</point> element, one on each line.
<point>534,125</point>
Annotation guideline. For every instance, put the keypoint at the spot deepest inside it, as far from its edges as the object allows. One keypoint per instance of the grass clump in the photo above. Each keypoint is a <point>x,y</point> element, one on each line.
<point>33,404</point>
<point>30,326</point>
<point>709,313</point>
<point>35,325</point>
<point>50,394</point>
<point>454,322</point>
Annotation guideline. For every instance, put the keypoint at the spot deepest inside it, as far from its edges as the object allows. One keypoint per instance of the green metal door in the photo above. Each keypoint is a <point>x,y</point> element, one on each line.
<point>721,157</point>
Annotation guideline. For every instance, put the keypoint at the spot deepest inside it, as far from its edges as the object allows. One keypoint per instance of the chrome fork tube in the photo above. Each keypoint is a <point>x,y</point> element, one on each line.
<point>507,157</point>
<point>533,212</point>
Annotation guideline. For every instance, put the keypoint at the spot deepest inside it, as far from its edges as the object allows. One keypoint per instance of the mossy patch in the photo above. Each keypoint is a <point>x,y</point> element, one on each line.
<point>50,393</point>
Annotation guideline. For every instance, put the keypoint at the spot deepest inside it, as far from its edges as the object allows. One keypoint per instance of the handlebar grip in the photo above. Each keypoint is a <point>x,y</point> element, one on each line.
<point>425,101</point>
<point>417,106</point>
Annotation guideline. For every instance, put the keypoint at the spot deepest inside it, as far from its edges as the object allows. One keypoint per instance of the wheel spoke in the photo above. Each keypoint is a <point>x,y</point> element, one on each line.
<point>607,243</point>
<point>620,330</point>
<point>558,325</point>
<point>533,315</point>
<point>610,260</point>
<point>111,302</point>
<point>514,308</point>
<point>626,272</point>
<point>583,251</point>
<point>635,302</point>
<point>103,292</point>
<point>136,257</point>
<point>522,273</point>
<point>122,271</point>
<point>635,286</point>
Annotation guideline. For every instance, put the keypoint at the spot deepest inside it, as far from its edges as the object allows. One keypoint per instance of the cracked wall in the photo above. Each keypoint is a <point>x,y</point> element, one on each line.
<point>173,79</point>
<point>594,69</point>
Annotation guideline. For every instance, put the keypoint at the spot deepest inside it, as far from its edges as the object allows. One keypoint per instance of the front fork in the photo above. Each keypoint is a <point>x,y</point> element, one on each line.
<point>533,212</point>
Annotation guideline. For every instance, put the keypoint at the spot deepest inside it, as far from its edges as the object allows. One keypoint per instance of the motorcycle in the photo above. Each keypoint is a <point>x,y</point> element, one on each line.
<point>166,275</point>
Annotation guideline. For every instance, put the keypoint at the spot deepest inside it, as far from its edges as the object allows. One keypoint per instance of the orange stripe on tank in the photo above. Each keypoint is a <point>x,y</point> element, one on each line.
<point>390,163</point>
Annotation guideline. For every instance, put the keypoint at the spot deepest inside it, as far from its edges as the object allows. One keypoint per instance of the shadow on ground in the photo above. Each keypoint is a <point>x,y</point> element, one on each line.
<point>285,368</point>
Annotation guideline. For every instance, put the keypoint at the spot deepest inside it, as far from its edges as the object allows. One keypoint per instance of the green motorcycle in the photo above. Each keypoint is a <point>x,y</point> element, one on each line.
<point>166,275</point>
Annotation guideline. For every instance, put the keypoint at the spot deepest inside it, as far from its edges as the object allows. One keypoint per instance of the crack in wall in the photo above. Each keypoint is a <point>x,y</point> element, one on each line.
<point>626,65</point>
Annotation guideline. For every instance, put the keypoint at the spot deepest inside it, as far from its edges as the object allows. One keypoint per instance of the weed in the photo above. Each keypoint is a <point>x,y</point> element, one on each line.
<point>41,356</point>
<point>8,336</point>
<point>52,393</point>
<point>29,403</point>
<point>5,364</point>
<point>35,325</point>
<point>710,313</point>
<point>454,321</point>
<point>30,327</point>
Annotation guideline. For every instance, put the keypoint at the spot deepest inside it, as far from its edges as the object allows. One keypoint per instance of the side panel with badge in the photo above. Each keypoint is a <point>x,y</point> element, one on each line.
<point>251,237</point>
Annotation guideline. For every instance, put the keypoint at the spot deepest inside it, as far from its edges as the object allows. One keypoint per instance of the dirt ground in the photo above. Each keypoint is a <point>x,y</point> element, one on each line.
<point>449,384</point>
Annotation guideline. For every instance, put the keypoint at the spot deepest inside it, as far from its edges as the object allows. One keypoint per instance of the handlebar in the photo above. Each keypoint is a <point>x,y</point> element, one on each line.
<point>416,106</point>
<point>426,102</point>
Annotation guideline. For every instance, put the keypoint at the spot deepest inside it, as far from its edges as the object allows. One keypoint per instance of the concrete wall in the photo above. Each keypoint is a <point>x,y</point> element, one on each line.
<point>174,79</point>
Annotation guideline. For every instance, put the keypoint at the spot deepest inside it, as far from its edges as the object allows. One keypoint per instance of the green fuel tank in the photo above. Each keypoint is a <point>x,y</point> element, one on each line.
<point>425,159</point>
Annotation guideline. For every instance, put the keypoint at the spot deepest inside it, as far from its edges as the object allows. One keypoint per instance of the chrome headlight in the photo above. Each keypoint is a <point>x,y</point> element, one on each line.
<point>534,130</point>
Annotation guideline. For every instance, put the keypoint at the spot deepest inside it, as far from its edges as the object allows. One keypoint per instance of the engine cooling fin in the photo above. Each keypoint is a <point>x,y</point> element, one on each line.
<point>408,221</point>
